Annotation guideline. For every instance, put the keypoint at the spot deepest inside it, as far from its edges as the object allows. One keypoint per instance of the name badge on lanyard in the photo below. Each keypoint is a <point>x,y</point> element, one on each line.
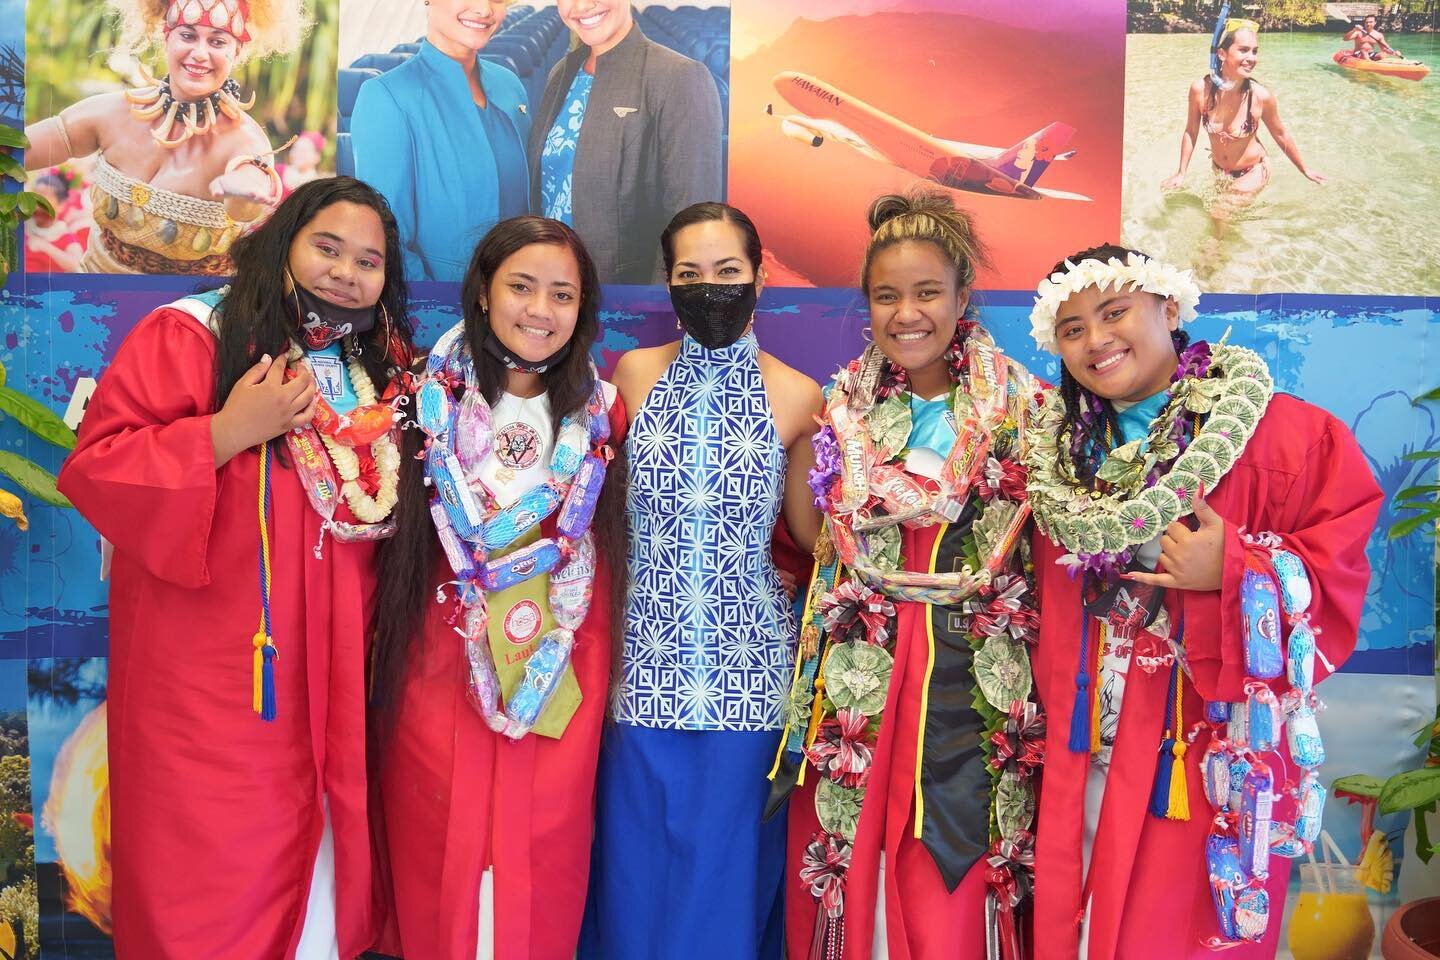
<point>329,376</point>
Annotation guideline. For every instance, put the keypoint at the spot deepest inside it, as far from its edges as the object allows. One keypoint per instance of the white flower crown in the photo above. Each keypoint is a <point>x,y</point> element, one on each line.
<point>1138,272</point>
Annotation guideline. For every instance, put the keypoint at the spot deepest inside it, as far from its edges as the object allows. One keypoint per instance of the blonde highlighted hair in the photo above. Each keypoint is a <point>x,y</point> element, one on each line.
<point>927,216</point>
<point>275,26</point>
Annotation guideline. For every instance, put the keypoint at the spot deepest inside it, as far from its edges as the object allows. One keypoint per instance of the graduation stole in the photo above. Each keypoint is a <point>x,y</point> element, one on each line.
<point>982,735</point>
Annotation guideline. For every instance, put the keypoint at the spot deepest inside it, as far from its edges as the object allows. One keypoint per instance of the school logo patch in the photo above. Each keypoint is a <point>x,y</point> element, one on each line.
<point>522,623</point>
<point>518,446</point>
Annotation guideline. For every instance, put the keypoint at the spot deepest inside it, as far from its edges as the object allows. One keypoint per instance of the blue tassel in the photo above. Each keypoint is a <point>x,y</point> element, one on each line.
<point>267,685</point>
<point>1080,714</point>
<point>1160,794</point>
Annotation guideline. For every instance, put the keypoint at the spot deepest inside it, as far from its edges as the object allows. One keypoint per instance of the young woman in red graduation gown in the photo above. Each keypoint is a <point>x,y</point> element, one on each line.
<point>488,823</point>
<point>1141,619</point>
<point>236,701</point>
<point>912,728</point>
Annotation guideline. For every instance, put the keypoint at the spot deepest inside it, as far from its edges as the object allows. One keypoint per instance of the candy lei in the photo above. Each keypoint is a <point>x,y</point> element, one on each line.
<point>1145,485</point>
<point>325,447</point>
<point>387,458</point>
<point>843,672</point>
<point>1240,782</point>
<point>459,437</point>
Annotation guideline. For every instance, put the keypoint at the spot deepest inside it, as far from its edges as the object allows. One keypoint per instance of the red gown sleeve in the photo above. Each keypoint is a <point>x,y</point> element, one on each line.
<point>143,469</point>
<point>1331,508</point>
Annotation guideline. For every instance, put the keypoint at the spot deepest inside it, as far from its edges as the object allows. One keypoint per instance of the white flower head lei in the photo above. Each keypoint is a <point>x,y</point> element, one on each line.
<point>1137,272</point>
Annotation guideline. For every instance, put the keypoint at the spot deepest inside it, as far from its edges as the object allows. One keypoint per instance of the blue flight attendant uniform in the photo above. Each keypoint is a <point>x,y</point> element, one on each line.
<point>449,169</point>
<point>683,865</point>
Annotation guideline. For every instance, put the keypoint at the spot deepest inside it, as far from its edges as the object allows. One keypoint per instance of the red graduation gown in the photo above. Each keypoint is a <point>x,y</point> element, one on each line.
<point>459,799</point>
<point>1302,476</point>
<point>216,815</point>
<point>923,920</point>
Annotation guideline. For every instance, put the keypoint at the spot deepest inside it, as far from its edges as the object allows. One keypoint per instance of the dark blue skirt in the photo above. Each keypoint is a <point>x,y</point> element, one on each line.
<point>682,864</point>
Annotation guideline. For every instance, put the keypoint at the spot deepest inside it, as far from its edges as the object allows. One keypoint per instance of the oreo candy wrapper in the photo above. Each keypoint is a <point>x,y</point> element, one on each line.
<point>1215,774</point>
<point>1300,657</point>
<point>542,676</point>
<point>1309,807</point>
<point>518,519</point>
<point>1260,609</point>
<point>1222,862</point>
<point>572,586</point>
<point>1294,581</point>
<point>541,556</point>
<point>1217,711</point>
<point>448,481</point>
<point>579,507</point>
<point>1255,808</point>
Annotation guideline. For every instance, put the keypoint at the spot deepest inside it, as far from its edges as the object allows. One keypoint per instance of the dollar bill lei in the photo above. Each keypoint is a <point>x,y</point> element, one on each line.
<point>845,661</point>
<point>1145,485</point>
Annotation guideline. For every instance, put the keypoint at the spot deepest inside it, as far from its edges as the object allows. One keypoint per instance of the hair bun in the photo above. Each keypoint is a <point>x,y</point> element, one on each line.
<point>887,208</point>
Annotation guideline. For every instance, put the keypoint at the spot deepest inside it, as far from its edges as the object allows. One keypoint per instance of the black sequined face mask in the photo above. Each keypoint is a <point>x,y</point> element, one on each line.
<point>715,314</point>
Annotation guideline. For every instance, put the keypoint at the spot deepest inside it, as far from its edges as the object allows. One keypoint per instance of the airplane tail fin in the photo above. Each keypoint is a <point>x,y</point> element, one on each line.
<point>1028,159</point>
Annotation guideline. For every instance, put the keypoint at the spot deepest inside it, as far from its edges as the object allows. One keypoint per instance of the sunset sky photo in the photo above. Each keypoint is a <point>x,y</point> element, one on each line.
<point>963,75</point>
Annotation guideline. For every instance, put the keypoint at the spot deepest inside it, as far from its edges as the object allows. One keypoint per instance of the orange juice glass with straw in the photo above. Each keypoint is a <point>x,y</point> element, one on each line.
<point>1331,919</point>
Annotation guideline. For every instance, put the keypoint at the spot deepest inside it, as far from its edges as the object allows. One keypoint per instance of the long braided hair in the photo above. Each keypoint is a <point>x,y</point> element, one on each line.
<point>1090,419</point>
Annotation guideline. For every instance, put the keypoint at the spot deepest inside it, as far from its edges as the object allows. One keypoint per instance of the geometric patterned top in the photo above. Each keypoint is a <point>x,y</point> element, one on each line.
<point>709,636</point>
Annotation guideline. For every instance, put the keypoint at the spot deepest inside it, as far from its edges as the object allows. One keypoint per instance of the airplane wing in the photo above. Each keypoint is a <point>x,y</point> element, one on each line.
<point>815,131</point>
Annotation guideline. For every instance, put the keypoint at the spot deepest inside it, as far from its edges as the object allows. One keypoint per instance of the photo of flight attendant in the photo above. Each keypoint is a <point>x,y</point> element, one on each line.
<point>628,132</point>
<point>442,135</point>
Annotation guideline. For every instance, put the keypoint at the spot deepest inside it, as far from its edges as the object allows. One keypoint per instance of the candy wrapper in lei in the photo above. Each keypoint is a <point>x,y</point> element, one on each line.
<point>573,585</point>
<point>542,676</point>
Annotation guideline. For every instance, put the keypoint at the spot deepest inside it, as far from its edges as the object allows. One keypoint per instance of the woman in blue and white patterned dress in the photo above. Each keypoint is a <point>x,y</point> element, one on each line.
<point>719,446</point>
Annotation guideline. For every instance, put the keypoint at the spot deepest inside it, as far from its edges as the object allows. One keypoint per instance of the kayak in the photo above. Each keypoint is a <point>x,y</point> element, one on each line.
<point>1389,67</point>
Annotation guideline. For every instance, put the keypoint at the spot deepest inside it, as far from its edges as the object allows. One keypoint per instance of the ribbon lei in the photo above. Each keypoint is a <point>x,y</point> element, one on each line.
<point>826,862</point>
<point>1009,863</point>
<point>1021,741</point>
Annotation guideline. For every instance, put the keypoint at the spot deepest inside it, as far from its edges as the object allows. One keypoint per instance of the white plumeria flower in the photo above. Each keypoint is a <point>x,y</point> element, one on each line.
<point>1138,272</point>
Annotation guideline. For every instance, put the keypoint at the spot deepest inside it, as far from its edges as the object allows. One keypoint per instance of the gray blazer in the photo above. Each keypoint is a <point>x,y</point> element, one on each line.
<point>649,146</point>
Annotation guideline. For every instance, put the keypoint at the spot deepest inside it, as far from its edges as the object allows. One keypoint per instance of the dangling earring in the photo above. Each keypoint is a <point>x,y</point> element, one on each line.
<point>867,335</point>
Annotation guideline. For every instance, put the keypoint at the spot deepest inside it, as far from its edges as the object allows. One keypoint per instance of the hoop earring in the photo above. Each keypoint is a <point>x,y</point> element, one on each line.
<point>867,335</point>
<point>386,314</point>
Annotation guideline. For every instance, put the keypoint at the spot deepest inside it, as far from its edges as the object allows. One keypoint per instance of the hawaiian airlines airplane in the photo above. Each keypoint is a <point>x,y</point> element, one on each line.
<point>827,113</point>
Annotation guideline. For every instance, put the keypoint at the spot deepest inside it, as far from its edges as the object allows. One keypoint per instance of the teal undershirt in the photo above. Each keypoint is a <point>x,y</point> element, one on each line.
<point>932,425</point>
<point>1135,420</point>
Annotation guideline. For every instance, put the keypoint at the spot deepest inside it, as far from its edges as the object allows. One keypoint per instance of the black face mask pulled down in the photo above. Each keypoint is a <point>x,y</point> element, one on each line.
<point>322,322</point>
<point>715,314</point>
<point>514,361</point>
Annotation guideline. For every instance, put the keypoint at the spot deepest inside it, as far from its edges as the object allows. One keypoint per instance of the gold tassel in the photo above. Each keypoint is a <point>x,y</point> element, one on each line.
<point>1179,808</point>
